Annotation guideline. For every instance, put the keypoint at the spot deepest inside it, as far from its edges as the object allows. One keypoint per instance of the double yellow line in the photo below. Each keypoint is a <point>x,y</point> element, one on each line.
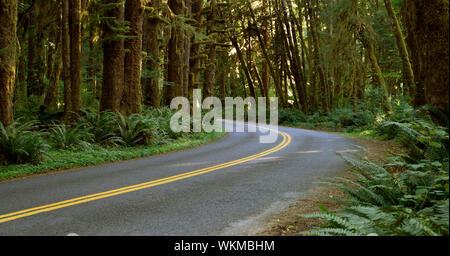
<point>123,190</point>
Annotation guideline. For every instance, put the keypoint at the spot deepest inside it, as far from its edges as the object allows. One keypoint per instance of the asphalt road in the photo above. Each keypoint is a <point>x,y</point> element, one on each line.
<point>177,193</point>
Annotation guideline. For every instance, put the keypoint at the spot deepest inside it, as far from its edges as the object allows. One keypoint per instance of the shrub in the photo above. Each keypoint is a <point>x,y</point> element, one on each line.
<point>103,127</point>
<point>20,143</point>
<point>420,137</point>
<point>290,116</point>
<point>160,122</point>
<point>135,129</point>
<point>64,137</point>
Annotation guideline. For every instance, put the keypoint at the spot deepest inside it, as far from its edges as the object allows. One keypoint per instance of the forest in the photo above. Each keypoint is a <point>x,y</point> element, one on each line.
<point>83,82</point>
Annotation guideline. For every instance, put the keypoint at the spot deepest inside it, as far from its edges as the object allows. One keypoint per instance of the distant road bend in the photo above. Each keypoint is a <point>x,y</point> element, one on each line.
<point>225,188</point>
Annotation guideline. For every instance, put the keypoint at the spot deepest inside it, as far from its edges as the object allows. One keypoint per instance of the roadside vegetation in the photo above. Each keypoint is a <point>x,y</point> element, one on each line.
<point>30,146</point>
<point>408,195</point>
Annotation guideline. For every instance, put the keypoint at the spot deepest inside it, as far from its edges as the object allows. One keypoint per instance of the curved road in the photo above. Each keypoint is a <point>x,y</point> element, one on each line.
<point>225,188</point>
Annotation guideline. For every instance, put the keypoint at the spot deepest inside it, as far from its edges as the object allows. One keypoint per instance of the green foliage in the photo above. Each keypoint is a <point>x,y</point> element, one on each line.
<point>21,143</point>
<point>407,196</point>
<point>291,116</point>
<point>112,129</point>
<point>135,129</point>
<point>64,136</point>
<point>102,126</point>
<point>95,155</point>
<point>159,118</point>
<point>337,118</point>
<point>27,142</point>
<point>422,138</point>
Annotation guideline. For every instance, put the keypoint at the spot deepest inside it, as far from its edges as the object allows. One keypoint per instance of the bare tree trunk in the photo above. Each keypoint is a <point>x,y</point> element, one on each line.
<point>8,37</point>
<point>113,60</point>
<point>132,94</point>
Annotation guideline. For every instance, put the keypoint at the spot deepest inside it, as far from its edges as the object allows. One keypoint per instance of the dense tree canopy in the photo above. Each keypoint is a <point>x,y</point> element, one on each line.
<point>314,55</point>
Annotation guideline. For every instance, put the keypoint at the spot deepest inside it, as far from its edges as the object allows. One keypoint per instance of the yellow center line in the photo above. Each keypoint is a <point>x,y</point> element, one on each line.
<point>79,200</point>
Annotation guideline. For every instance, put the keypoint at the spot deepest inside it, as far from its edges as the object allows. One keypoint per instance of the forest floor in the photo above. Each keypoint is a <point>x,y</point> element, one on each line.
<point>67,160</point>
<point>288,223</point>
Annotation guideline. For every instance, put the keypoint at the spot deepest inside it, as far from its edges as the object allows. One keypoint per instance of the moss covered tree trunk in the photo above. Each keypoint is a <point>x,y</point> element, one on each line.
<point>36,53</point>
<point>152,32</point>
<point>195,57</point>
<point>132,94</point>
<point>75,53</point>
<point>427,23</point>
<point>376,70</point>
<point>52,95</point>
<point>65,37</point>
<point>316,55</point>
<point>175,56</point>
<point>113,59</point>
<point>401,44</point>
<point>265,67</point>
<point>187,50</point>
<point>8,22</point>
<point>263,46</point>
<point>210,69</point>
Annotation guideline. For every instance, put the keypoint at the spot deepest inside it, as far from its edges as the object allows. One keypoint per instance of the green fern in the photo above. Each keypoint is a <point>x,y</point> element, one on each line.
<point>21,143</point>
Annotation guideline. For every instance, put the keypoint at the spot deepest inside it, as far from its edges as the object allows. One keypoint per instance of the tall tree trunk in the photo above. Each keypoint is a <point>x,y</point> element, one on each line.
<point>75,53</point>
<point>294,56</point>
<point>52,95</point>
<point>301,87</point>
<point>92,67</point>
<point>195,57</point>
<point>378,74</point>
<point>408,73</point>
<point>113,59</point>
<point>152,32</point>
<point>36,54</point>
<point>428,38</point>
<point>175,57</point>
<point>210,70</point>
<point>66,58</point>
<point>244,66</point>
<point>21,80</point>
<point>132,94</point>
<point>317,62</point>
<point>187,50</point>
<point>265,67</point>
<point>223,71</point>
<point>251,86</point>
<point>8,37</point>
<point>276,79</point>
